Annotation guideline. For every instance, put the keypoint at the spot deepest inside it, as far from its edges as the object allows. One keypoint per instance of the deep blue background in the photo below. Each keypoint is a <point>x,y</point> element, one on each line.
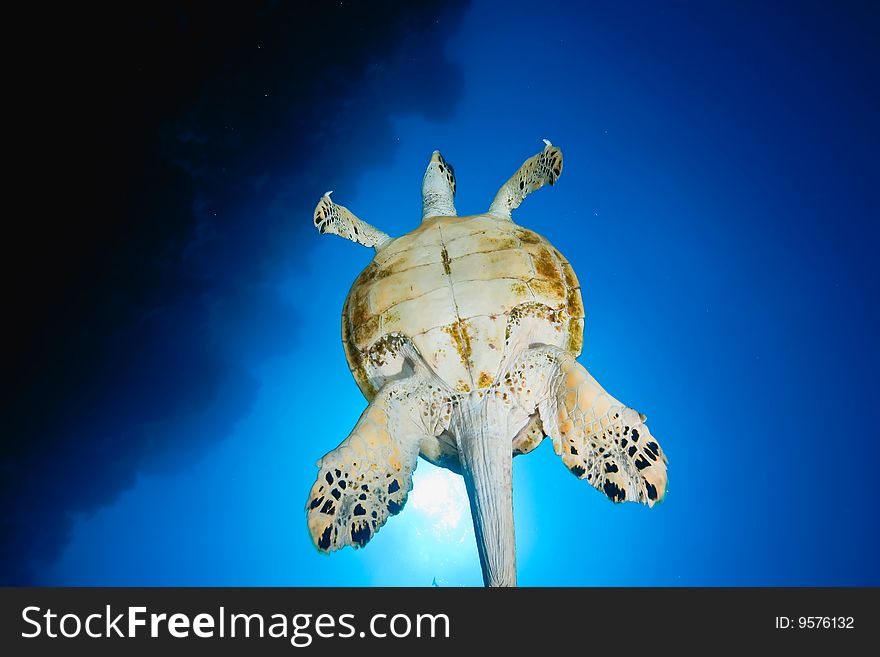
<point>719,203</point>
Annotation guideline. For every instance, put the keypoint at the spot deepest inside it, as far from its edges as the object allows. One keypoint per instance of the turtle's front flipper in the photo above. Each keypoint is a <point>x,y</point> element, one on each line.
<point>367,478</point>
<point>545,167</point>
<point>339,220</point>
<point>598,438</point>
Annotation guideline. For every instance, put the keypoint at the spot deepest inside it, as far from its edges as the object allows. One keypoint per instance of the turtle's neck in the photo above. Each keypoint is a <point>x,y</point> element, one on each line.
<point>437,205</point>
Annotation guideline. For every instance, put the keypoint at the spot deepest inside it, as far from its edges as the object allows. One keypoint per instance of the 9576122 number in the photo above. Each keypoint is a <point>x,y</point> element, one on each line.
<point>815,623</point>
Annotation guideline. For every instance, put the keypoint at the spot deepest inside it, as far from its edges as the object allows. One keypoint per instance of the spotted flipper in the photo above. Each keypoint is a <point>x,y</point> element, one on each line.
<point>598,438</point>
<point>367,478</point>
<point>339,220</point>
<point>529,437</point>
<point>538,170</point>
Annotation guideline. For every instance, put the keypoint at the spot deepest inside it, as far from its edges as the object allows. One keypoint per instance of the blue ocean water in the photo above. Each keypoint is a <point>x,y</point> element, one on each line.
<point>719,205</point>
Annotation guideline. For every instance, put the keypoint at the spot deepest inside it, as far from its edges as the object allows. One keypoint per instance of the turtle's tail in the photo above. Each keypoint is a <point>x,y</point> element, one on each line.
<point>485,449</point>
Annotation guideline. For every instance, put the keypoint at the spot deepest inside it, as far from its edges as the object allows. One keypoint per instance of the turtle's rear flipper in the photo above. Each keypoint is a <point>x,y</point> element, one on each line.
<point>538,170</point>
<point>339,220</point>
<point>598,438</point>
<point>366,479</point>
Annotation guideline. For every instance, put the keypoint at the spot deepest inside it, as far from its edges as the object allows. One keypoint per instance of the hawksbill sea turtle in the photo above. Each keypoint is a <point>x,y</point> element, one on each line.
<point>463,336</point>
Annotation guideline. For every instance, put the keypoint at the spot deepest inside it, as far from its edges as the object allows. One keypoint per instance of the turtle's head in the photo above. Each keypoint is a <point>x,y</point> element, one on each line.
<point>438,188</point>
